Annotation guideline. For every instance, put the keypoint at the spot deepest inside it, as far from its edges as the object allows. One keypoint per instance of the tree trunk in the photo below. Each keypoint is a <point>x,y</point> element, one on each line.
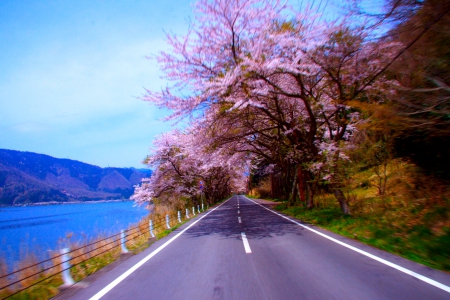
<point>272,186</point>
<point>342,200</point>
<point>337,186</point>
<point>309,197</point>
<point>292,196</point>
<point>301,186</point>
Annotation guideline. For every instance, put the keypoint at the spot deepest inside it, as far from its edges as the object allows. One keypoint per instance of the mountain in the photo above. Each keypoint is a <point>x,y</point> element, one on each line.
<point>27,177</point>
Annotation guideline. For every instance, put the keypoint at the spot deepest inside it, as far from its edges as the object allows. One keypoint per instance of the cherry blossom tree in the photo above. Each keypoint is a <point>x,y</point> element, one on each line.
<point>279,84</point>
<point>179,162</point>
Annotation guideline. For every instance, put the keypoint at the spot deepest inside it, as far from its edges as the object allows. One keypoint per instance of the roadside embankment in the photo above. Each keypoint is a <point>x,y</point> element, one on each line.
<point>411,232</point>
<point>34,279</point>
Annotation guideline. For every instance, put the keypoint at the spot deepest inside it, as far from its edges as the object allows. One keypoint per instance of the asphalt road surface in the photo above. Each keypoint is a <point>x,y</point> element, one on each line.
<point>243,250</point>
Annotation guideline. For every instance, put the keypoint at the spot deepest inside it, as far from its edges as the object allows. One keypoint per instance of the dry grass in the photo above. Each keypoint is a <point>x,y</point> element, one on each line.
<point>87,257</point>
<point>263,190</point>
<point>412,218</point>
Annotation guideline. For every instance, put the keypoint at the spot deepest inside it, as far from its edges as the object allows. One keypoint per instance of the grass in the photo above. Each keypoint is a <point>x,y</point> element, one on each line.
<point>85,261</point>
<point>167,231</point>
<point>417,243</point>
<point>411,221</point>
<point>412,218</point>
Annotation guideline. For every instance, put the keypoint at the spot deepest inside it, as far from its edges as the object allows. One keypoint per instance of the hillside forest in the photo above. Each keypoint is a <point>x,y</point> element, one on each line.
<point>28,178</point>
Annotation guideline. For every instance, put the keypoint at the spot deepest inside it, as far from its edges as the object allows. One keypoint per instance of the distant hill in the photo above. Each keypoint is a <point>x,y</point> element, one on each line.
<point>27,177</point>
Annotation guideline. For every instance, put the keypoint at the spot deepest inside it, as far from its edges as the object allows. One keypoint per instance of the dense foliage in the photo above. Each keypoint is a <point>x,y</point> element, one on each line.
<point>298,100</point>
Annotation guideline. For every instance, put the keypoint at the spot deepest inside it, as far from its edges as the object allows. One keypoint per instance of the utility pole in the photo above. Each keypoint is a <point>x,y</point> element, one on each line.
<point>201,191</point>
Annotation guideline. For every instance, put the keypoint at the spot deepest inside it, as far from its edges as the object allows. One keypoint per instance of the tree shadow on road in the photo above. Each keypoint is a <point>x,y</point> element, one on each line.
<point>257,223</point>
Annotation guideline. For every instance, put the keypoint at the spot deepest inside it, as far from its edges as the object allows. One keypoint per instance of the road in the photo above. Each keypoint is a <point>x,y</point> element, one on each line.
<point>243,250</point>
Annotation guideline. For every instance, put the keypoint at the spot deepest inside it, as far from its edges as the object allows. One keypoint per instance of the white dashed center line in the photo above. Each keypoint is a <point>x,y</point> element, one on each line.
<point>239,219</point>
<point>374,257</point>
<point>246,244</point>
<point>119,279</point>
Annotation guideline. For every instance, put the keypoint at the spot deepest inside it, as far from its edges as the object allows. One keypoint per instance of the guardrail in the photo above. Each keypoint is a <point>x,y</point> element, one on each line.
<point>27,277</point>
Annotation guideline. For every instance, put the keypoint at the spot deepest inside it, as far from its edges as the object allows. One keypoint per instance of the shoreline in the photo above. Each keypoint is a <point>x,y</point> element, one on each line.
<point>64,203</point>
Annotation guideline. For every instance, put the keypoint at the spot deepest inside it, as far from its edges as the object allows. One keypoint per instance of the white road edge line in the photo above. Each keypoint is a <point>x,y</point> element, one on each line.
<point>383,261</point>
<point>119,279</point>
<point>239,219</point>
<point>246,244</point>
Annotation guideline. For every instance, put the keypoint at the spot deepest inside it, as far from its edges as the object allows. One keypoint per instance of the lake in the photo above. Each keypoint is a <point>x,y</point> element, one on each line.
<point>39,228</point>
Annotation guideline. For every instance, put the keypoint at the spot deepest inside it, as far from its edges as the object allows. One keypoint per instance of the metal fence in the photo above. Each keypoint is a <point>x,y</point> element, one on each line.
<point>37,273</point>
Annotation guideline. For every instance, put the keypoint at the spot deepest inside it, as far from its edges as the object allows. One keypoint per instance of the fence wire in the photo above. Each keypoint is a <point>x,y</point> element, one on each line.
<point>158,223</point>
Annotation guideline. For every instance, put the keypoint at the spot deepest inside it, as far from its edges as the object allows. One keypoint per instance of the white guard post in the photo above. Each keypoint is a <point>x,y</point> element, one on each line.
<point>179,216</point>
<point>151,228</point>
<point>65,258</point>
<point>187,213</point>
<point>167,222</point>
<point>122,242</point>
<point>193,210</point>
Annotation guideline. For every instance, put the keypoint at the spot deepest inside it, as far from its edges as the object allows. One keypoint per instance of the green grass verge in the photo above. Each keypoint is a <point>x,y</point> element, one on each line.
<point>167,231</point>
<point>384,231</point>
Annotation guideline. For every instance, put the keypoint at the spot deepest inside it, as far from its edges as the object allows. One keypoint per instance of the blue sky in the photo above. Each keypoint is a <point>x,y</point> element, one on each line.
<point>71,72</point>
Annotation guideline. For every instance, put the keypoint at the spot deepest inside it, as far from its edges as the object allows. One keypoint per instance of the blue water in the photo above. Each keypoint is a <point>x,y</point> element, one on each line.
<point>39,229</point>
